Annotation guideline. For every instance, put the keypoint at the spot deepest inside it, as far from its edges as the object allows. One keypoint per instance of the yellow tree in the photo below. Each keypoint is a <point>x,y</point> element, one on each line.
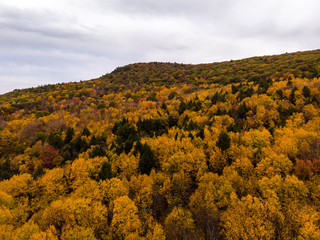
<point>244,168</point>
<point>19,187</point>
<point>125,219</point>
<point>178,188</point>
<point>79,172</point>
<point>300,222</point>
<point>6,231</point>
<point>217,161</point>
<point>274,165</point>
<point>26,231</point>
<point>8,142</point>
<point>257,138</point>
<point>285,142</point>
<point>141,191</point>
<point>78,233</point>
<point>283,190</point>
<point>71,213</point>
<point>6,200</point>
<point>212,195</point>
<point>113,189</point>
<point>53,184</point>
<point>242,180</point>
<point>156,232</point>
<point>177,155</point>
<point>49,234</point>
<point>125,165</point>
<point>90,189</point>
<point>179,224</point>
<point>257,141</point>
<point>6,216</point>
<point>249,218</point>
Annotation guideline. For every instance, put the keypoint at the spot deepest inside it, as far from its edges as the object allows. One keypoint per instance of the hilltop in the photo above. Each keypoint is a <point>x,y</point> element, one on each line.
<point>227,150</point>
<point>300,64</point>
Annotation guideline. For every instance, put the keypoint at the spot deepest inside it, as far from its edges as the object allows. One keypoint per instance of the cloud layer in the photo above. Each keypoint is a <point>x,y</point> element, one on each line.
<point>53,41</point>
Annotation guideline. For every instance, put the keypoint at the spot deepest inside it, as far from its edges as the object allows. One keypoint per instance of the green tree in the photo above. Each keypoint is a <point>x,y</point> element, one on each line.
<point>105,171</point>
<point>306,92</point>
<point>242,111</point>
<point>55,140</point>
<point>86,132</point>
<point>182,107</point>
<point>69,135</point>
<point>223,141</point>
<point>126,136</point>
<point>147,159</point>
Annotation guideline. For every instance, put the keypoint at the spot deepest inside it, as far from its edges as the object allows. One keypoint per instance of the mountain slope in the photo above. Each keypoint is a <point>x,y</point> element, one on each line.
<point>301,64</point>
<point>164,150</point>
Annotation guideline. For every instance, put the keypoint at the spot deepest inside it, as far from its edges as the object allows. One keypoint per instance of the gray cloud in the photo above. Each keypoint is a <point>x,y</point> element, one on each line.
<point>67,40</point>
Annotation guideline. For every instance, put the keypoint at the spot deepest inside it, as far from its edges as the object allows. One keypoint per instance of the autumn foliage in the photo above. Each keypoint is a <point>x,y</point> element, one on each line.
<point>227,150</point>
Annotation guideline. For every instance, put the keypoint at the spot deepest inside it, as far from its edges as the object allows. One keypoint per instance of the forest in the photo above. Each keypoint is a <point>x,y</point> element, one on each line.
<point>227,150</point>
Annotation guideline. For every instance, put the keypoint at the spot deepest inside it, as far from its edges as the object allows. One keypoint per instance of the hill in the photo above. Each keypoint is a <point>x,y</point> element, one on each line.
<point>165,150</point>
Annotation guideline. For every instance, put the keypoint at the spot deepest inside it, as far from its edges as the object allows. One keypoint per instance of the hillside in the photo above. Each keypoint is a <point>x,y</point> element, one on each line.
<point>226,150</point>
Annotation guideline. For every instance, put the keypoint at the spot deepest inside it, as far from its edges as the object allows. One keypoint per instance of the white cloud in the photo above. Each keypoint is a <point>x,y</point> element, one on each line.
<point>69,40</point>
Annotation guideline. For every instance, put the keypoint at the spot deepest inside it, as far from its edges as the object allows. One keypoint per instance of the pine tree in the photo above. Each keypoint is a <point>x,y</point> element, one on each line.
<point>69,135</point>
<point>147,159</point>
<point>105,171</point>
<point>223,141</point>
<point>182,107</point>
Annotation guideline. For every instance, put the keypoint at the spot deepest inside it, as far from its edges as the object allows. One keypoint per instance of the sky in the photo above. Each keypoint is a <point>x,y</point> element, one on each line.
<point>54,41</point>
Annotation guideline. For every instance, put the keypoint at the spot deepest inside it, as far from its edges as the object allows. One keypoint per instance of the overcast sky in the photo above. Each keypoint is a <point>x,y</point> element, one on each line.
<point>53,41</point>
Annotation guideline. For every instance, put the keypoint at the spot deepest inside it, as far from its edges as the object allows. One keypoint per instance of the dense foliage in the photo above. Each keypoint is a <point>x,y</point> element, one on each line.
<point>227,150</point>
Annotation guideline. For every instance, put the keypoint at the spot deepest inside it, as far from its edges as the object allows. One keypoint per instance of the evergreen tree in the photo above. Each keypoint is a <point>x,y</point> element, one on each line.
<point>223,141</point>
<point>215,98</point>
<point>242,111</point>
<point>55,140</point>
<point>38,172</point>
<point>306,92</point>
<point>5,170</point>
<point>97,151</point>
<point>147,159</point>
<point>86,132</point>
<point>126,134</point>
<point>280,93</point>
<point>164,106</point>
<point>182,107</point>
<point>69,135</point>
<point>201,133</point>
<point>105,171</point>
<point>292,96</point>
